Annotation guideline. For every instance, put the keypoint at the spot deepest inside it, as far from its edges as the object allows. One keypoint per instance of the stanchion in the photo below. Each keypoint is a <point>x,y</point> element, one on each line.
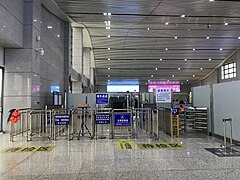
<point>225,121</point>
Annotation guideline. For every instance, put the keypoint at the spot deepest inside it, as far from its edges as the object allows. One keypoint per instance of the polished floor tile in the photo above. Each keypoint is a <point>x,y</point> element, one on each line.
<point>100,159</point>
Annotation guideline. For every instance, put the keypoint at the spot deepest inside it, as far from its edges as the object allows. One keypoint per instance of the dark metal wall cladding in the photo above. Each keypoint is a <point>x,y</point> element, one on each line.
<point>135,51</point>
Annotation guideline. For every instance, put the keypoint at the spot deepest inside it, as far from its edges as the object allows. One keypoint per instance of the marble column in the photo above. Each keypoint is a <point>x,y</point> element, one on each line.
<point>22,81</point>
<point>77,57</point>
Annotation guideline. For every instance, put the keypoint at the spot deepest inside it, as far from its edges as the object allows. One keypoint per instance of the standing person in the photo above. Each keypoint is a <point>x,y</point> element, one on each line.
<point>135,103</point>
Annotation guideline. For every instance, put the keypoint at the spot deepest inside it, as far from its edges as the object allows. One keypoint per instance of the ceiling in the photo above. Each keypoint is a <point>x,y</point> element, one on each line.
<point>157,39</point>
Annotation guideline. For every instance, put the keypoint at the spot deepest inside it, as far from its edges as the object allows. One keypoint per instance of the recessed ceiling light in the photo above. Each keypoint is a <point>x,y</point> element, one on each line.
<point>160,59</point>
<point>109,48</point>
<point>167,80</point>
<point>189,29</point>
<point>104,14</point>
<point>148,29</point>
<point>58,35</point>
<point>107,22</point>
<point>193,49</point>
<point>151,75</point>
<point>156,69</point>
<point>239,37</point>
<point>109,59</point>
<point>175,37</point>
<point>166,23</point>
<point>109,68</point>
<point>209,59</point>
<point>108,36</point>
<point>179,69</point>
<point>183,15</point>
<point>108,27</point>
<point>109,14</point>
<point>187,80</point>
<point>201,68</point>
<point>108,75</point>
<point>148,80</point>
<point>108,80</point>
<point>166,49</point>
<point>49,27</point>
<point>182,83</point>
<point>193,75</point>
<point>173,76</point>
<point>221,49</point>
<point>207,37</point>
<point>225,23</point>
<point>34,20</point>
<point>185,59</point>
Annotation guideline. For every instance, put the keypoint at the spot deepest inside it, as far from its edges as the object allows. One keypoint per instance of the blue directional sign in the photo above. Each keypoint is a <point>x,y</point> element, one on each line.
<point>48,118</point>
<point>175,111</point>
<point>62,119</point>
<point>122,119</point>
<point>101,98</point>
<point>102,118</point>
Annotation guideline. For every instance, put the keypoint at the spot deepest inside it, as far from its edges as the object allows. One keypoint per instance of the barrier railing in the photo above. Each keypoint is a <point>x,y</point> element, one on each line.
<point>20,127</point>
<point>61,123</point>
<point>122,123</point>
<point>142,120</point>
<point>92,123</point>
<point>155,124</point>
<point>101,125</point>
<point>227,121</point>
<point>165,120</point>
<point>81,124</point>
<point>39,124</point>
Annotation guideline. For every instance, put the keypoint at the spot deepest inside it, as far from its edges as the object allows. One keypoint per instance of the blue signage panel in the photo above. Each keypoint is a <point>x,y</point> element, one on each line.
<point>175,111</point>
<point>62,119</point>
<point>48,118</point>
<point>102,118</point>
<point>101,98</point>
<point>122,119</point>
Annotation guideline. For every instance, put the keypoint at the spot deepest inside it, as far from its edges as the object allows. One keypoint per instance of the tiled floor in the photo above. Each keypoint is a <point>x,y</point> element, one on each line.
<point>100,159</point>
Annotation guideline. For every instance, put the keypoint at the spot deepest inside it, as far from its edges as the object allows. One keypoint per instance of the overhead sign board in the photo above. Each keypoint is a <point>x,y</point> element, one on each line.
<point>163,96</point>
<point>122,119</point>
<point>101,98</point>
<point>102,118</point>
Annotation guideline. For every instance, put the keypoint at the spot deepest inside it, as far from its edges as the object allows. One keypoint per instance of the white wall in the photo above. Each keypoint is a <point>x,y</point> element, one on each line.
<point>1,56</point>
<point>226,104</point>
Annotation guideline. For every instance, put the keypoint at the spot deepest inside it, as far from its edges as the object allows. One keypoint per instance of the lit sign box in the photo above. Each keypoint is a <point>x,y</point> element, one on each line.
<point>123,88</point>
<point>55,88</point>
<point>175,87</point>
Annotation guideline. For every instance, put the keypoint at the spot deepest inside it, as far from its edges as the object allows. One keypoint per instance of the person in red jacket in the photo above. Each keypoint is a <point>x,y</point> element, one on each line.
<point>14,116</point>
